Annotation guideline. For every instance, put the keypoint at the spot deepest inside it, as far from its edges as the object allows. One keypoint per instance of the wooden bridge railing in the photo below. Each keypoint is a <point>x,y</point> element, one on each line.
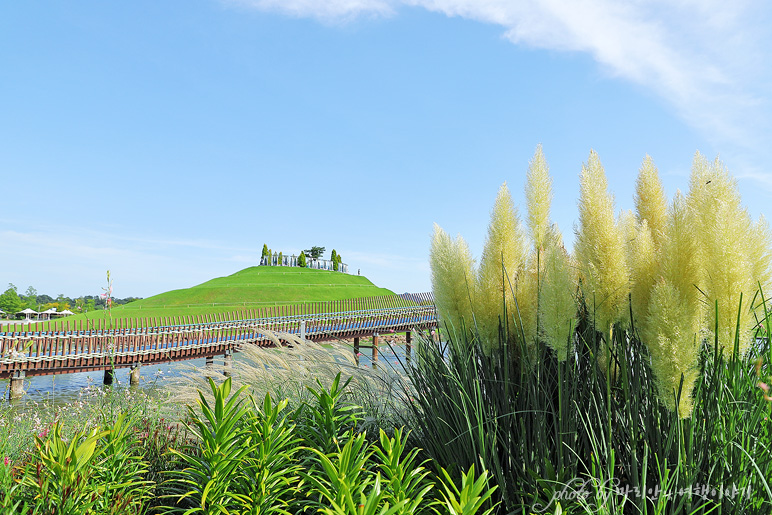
<point>63,348</point>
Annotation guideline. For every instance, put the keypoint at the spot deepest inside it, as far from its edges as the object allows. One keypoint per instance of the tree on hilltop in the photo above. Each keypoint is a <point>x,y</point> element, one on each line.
<point>315,252</point>
<point>265,252</point>
<point>302,260</point>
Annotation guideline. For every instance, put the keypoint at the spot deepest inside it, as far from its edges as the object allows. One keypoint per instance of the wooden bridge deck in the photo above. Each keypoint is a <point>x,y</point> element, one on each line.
<point>62,350</point>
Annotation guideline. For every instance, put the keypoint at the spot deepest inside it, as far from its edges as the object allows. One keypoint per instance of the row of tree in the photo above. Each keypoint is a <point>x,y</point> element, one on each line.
<point>314,252</point>
<point>11,301</point>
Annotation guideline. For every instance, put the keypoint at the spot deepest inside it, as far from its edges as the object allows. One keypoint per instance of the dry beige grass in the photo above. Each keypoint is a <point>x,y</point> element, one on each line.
<point>286,371</point>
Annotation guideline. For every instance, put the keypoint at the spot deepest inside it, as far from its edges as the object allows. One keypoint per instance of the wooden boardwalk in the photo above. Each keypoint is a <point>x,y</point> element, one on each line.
<point>62,348</point>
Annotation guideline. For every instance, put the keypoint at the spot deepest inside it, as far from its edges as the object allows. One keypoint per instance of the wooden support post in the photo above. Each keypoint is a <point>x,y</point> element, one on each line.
<point>356,350</point>
<point>17,386</point>
<point>375,350</point>
<point>209,361</point>
<point>408,344</point>
<point>108,380</point>
<point>228,363</point>
<point>134,375</point>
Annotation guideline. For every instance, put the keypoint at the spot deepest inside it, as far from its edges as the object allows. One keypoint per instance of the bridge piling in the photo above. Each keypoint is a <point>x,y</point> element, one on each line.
<point>228,363</point>
<point>209,361</point>
<point>108,379</point>
<point>375,350</point>
<point>134,375</point>
<point>356,349</point>
<point>17,386</point>
<point>408,344</point>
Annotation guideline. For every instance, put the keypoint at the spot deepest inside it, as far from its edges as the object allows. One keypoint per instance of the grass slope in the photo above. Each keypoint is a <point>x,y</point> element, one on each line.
<point>252,287</point>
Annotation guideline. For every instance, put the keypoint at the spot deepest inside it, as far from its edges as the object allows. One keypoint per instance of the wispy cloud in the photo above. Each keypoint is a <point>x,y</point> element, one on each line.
<point>335,10</point>
<point>384,260</point>
<point>707,58</point>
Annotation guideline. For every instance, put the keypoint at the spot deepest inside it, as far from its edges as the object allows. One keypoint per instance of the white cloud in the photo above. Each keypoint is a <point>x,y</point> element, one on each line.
<point>706,58</point>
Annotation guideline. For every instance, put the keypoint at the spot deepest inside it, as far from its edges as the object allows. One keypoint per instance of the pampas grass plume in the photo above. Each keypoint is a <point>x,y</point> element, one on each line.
<point>671,327</point>
<point>557,304</point>
<point>642,263</point>
<point>650,200</point>
<point>723,228</point>
<point>538,196</point>
<point>505,246</point>
<point>599,247</point>
<point>672,344</point>
<point>452,269</point>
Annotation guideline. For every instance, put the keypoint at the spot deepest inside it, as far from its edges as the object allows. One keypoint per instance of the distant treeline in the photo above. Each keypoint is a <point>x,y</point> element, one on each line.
<point>11,301</point>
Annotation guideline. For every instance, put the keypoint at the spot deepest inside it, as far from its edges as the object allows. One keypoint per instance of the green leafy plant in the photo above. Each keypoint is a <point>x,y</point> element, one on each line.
<point>406,480</point>
<point>471,498</point>
<point>329,417</point>
<point>61,481</point>
<point>271,470</point>
<point>342,477</point>
<point>214,461</point>
<point>242,460</point>
<point>121,470</point>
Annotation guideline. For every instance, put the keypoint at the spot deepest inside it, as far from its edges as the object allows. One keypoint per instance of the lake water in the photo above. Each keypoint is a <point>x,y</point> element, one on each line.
<point>65,388</point>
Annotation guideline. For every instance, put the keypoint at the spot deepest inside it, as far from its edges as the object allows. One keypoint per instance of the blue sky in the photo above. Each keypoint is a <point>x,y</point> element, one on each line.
<point>167,141</point>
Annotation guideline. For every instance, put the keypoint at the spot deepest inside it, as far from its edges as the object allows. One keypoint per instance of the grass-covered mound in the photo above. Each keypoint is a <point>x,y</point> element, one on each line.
<point>266,285</point>
<point>251,288</point>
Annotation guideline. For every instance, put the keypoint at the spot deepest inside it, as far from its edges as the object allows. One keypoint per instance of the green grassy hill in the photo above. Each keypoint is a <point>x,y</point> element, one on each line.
<point>259,285</point>
<point>253,287</point>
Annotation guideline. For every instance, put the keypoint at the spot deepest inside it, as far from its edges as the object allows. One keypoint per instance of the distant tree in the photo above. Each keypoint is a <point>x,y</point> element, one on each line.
<point>31,297</point>
<point>339,261</point>
<point>302,260</point>
<point>315,252</point>
<point>62,302</point>
<point>10,301</point>
<point>334,259</point>
<point>281,258</point>
<point>90,306</point>
<point>45,299</point>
